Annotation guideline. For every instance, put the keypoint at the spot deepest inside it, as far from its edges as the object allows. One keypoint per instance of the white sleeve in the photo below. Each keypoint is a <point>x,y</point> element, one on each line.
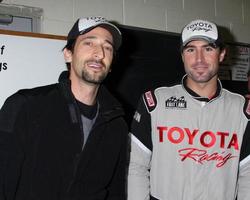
<point>244,180</point>
<point>138,172</point>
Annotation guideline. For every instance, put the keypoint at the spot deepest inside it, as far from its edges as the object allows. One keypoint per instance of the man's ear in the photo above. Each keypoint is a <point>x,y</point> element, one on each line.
<point>222,55</point>
<point>182,57</point>
<point>67,55</point>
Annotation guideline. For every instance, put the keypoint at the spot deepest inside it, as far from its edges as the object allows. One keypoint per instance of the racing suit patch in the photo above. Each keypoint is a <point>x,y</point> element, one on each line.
<point>174,102</point>
<point>150,100</point>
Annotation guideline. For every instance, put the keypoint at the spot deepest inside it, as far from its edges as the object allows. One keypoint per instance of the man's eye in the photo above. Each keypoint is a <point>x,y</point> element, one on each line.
<point>189,50</point>
<point>88,43</point>
<point>108,48</point>
<point>209,49</point>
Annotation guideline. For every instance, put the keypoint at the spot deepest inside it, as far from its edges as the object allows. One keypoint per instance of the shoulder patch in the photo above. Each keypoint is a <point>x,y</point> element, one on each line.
<point>150,100</point>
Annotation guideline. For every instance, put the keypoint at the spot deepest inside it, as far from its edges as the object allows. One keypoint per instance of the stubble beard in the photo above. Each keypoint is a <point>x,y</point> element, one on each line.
<point>90,78</point>
<point>202,78</point>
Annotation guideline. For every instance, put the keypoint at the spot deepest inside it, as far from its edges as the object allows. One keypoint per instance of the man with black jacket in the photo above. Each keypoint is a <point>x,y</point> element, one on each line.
<point>67,140</point>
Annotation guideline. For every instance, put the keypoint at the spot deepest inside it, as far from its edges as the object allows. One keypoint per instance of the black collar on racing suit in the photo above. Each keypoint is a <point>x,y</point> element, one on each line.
<point>198,97</point>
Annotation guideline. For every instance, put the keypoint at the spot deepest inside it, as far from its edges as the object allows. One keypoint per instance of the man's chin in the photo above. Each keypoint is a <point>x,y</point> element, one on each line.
<point>94,81</point>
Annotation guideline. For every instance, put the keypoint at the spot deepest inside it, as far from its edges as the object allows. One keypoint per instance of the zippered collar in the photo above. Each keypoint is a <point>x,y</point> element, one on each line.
<point>109,107</point>
<point>197,96</point>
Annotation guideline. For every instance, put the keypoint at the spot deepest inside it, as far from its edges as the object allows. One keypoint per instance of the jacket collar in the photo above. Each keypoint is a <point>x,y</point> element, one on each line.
<point>197,96</point>
<point>109,106</point>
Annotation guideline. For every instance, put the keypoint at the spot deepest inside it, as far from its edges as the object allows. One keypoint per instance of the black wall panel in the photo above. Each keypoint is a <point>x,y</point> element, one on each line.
<point>149,59</point>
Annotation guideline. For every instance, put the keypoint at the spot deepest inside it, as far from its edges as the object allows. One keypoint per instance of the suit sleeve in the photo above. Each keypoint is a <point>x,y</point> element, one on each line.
<point>140,155</point>
<point>244,182</point>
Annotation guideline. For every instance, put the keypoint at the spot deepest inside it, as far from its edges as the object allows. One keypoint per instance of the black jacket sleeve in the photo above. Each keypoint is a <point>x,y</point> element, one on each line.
<point>10,154</point>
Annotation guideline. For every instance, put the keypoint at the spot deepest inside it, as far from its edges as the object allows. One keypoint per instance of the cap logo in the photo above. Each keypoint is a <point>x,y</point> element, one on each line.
<point>96,19</point>
<point>200,26</point>
<point>88,22</point>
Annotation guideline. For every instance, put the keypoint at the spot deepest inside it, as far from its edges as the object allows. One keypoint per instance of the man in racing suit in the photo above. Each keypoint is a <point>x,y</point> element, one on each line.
<point>191,141</point>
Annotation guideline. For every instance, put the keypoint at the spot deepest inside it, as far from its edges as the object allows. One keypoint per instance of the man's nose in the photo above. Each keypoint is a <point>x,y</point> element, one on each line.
<point>99,52</point>
<point>199,56</point>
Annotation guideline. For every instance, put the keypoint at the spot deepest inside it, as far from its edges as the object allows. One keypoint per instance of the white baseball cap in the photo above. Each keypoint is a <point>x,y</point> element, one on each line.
<point>86,24</point>
<point>200,29</point>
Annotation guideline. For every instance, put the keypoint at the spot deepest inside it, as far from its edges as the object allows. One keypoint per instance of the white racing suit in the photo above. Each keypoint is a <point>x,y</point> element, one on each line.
<point>186,147</point>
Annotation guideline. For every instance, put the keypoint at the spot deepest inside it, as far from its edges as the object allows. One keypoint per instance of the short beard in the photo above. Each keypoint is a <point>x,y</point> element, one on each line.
<point>203,79</point>
<point>89,79</point>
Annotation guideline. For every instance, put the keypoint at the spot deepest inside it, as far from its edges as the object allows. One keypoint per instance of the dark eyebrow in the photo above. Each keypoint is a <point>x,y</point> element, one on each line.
<point>188,46</point>
<point>112,44</point>
<point>94,37</point>
<point>213,45</point>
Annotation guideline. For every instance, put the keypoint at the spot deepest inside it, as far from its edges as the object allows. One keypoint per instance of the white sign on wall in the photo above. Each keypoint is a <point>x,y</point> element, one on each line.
<point>27,62</point>
<point>236,64</point>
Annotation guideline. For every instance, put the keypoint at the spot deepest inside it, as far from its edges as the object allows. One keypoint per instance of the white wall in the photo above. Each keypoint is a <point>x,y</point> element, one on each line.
<point>41,67</point>
<point>166,15</point>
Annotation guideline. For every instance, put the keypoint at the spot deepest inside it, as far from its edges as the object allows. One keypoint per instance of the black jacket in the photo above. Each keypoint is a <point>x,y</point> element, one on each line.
<point>41,156</point>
